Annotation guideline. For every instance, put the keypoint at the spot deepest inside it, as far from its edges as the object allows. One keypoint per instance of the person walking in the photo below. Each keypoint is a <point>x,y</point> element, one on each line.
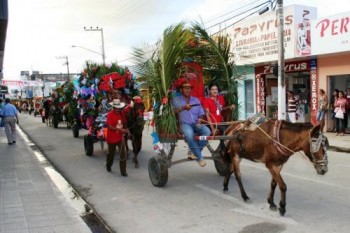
<point>10,117</point>
<point>191,114</point>
<point>292,107</point>
<point>322,108</point>
<point>340,108</point>
<point>1,115</point>
<point>116,122</point>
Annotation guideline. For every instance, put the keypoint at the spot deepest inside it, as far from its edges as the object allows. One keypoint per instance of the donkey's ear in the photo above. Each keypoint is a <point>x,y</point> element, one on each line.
<point>316,130</point>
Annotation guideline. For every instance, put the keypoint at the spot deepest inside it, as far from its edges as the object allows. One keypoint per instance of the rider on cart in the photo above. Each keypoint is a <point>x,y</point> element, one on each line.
<point>191,114</point>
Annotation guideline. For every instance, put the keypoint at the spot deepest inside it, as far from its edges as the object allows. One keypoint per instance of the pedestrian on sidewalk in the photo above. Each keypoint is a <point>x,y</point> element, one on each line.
<point>116,122</point>
<point>322,108</point>
<point>334,97</point>
<point>10,114</point>
<point>340,106</point>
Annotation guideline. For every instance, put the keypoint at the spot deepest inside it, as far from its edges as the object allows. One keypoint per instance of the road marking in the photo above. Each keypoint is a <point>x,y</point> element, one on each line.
<point>248,209</point>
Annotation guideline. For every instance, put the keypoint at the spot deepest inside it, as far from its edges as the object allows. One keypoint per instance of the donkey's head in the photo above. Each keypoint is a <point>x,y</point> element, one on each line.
<point>318,144</point>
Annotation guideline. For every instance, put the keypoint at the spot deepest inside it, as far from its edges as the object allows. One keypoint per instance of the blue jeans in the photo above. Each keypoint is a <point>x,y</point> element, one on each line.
<point>320,115</point>
<point>189,132</point>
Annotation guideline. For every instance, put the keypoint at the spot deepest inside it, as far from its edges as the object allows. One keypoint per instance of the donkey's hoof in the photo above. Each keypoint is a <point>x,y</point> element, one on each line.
<point>247,200</point>
<point>273,207</point>
<point>225,190</point>
<point>137,165</point>
<point>282,211</point>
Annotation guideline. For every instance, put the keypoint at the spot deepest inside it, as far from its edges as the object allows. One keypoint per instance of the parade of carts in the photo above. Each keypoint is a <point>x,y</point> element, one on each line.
<point>184,53</point>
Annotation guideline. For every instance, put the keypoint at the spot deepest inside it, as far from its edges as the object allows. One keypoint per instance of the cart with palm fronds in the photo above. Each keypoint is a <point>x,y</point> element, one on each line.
<point>175,56</point>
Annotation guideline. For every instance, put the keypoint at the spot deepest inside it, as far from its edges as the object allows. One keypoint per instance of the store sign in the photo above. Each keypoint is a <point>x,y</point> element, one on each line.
<point>255,40</point>
<point>22,83</point>
<point>314,88</point>
<point>331,34</point>
<point>260,94</point>
<point>289,67</point>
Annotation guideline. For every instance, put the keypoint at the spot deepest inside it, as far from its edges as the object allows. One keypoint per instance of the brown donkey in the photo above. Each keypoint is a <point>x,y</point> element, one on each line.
<point>272,143</point>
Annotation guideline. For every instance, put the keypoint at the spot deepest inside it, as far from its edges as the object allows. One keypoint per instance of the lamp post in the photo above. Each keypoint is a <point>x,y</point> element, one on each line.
<point>103,43</point>
<point>67,63</point>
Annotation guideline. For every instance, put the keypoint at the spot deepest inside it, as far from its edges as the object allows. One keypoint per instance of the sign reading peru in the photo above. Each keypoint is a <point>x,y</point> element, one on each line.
<point>255,39</point>
<point>331,34</point>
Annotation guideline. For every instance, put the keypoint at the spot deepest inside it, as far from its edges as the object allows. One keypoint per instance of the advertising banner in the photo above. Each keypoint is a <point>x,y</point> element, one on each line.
<point>255,40</point>
<point>22,83</point>
<point>331,34</point>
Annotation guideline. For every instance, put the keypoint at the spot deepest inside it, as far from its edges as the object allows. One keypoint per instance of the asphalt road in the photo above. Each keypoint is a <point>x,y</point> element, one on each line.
<point>193,201</point>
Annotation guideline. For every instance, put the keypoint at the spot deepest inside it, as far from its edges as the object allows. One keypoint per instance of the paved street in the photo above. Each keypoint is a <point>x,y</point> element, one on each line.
<point>193,201</point>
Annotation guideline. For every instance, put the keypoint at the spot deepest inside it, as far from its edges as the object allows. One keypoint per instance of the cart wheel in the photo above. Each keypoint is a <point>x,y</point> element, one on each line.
<point>221,166</point>
<point>158,171</point>
<point>75,130</point>
<point>55,122</point>
<point>88,145</point>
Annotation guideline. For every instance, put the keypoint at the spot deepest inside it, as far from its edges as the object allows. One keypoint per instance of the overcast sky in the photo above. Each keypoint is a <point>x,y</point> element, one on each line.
<point>41,31</point>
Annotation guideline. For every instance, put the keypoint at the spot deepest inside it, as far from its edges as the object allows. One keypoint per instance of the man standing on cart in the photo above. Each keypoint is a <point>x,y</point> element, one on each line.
<point>116,122</point>
<point>191,114</point>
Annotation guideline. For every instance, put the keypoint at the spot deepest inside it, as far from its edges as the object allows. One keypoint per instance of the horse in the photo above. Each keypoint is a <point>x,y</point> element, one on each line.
<point>135,125</point>
<point>272,143</point>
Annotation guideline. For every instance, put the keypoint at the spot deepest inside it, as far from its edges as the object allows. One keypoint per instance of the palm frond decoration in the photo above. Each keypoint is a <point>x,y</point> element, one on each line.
<point>219,49</point>
<point>160,69</point>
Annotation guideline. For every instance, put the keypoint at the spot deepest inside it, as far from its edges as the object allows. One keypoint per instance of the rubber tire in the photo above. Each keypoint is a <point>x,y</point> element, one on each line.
<point>55,122</point>
<point>158,171</point>
<point>221,167</point>
<point>88,145</point>
<point>75,130</point>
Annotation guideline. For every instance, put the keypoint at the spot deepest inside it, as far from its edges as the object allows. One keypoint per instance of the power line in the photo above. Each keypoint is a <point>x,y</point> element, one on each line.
<point>240,19</point>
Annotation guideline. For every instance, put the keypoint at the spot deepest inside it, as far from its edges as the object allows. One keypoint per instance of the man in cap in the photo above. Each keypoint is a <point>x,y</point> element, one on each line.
<point>116,122</point>
<point>10,118</point>
<point>191,113</point>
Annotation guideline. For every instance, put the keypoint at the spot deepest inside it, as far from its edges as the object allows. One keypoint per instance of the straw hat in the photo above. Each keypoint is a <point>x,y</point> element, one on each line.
<point>117,104</point>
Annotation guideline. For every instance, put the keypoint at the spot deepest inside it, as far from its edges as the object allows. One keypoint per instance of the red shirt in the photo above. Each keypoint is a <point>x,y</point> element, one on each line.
<point>114,136</point>
<point>215,108</point>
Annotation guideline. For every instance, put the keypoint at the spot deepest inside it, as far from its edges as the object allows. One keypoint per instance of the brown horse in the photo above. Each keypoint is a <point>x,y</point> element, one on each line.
<point>272,143</point>
<point>135,125</point>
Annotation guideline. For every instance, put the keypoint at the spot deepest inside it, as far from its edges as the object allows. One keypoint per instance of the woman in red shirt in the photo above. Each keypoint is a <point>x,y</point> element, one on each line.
<point>213,106</point>
<point>116,122</point>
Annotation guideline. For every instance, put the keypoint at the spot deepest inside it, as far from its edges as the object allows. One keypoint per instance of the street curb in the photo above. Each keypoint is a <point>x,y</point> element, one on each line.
<point>339,149</point>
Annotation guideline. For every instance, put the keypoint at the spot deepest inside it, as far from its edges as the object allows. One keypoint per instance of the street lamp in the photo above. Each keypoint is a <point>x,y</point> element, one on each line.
<point>77,46</point>
<point>67,63</point>
<point>103,43</point>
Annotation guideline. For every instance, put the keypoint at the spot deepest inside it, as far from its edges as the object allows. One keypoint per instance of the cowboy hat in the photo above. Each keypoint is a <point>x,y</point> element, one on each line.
<point>117,104</point>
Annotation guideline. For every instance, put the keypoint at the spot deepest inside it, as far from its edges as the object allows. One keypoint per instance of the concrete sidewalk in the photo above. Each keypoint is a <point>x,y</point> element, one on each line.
<point>338,143</point>
<point>29,200</point>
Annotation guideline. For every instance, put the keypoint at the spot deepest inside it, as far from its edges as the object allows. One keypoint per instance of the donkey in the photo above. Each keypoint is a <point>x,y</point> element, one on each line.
<point>272,143</point>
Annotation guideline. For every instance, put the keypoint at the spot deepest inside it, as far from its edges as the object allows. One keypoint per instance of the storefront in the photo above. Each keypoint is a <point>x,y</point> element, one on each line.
<point>255,43</point>
<point>330,39</point>
<point>298,79</point>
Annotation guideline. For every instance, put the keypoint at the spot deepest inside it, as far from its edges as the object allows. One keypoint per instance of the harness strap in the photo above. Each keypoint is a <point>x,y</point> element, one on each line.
<point>276,136</point>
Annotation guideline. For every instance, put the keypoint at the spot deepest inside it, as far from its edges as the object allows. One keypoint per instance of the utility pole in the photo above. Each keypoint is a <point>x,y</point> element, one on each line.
<point>66,63</point>
<point>103,43</point>
<point>281,78</point>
